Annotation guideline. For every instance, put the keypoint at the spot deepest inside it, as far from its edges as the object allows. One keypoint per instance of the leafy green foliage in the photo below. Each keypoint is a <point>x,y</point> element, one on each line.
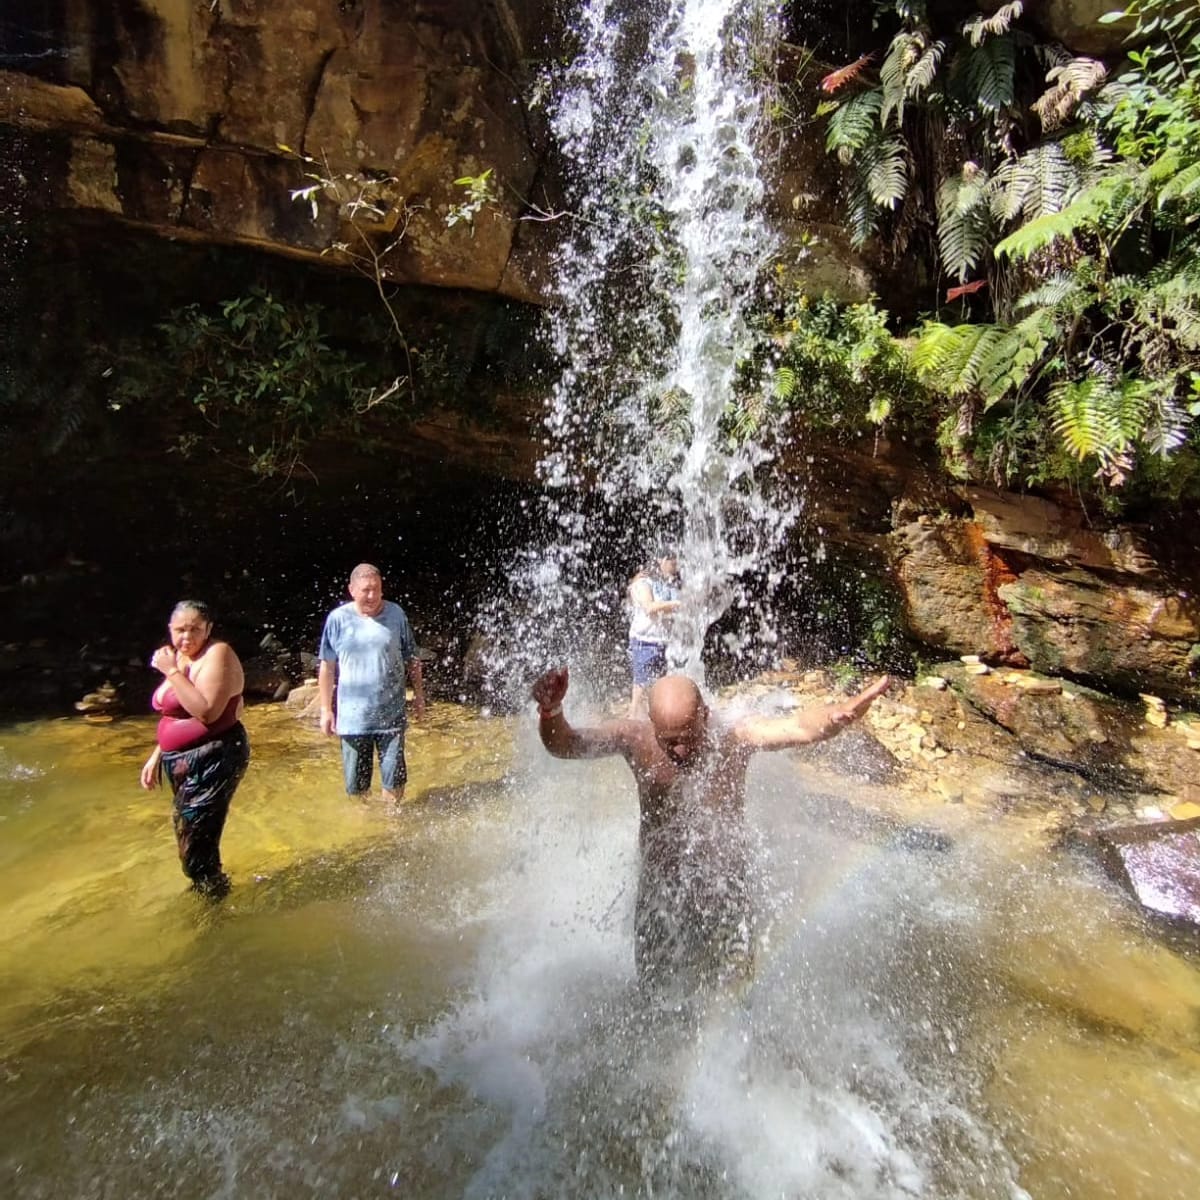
<point>260,377</point>
<point>837,366</point>
<point>1079,205</point>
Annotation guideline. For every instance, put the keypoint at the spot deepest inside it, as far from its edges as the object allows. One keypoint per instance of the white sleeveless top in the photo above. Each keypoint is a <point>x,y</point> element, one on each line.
<point>644,627</point>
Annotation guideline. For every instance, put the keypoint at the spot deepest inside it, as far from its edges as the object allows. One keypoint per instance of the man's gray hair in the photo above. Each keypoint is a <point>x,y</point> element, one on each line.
<point>365,569</point>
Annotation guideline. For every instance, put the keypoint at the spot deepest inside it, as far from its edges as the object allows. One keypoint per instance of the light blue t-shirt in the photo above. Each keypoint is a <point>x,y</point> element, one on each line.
<point>371,653</point>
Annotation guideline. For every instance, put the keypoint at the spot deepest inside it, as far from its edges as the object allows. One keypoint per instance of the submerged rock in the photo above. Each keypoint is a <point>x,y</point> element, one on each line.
<point>1157,862</point>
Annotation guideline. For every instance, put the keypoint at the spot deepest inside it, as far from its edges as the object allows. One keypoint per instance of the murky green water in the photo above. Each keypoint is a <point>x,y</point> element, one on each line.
<point>440,1002</point>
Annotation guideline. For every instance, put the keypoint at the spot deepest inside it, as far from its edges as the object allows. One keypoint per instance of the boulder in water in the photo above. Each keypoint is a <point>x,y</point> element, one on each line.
<point>1157,862</point>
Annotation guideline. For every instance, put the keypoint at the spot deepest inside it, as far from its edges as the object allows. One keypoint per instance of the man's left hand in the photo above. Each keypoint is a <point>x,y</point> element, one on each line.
<point>850,710</point>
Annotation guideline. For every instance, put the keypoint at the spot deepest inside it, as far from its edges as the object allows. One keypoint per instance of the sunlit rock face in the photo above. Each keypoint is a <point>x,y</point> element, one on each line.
<point>1026,581</point>
<point>174,115</point>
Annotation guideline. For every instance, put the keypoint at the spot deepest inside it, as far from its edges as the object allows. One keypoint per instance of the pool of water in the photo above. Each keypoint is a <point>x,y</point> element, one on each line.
<point>440,1002</point>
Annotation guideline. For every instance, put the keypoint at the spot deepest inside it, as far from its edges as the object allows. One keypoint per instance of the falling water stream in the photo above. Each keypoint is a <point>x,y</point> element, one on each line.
<point>442,1002</point>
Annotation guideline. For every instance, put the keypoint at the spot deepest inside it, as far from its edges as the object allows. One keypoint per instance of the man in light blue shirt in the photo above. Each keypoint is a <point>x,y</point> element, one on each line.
<point>367,645</point>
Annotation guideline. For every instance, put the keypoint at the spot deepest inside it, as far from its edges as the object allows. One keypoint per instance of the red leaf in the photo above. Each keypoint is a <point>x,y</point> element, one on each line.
<point>835,79</point>
<point>965,289</point>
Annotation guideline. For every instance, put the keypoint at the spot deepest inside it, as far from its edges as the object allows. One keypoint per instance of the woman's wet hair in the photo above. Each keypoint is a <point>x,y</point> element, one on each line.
<point>197,606</point>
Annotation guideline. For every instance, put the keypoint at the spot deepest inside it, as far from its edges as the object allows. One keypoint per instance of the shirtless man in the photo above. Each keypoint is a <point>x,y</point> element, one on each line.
<point>695,914</point>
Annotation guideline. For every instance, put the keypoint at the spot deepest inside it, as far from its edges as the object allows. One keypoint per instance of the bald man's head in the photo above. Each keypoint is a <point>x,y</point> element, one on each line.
<point>679,717</point>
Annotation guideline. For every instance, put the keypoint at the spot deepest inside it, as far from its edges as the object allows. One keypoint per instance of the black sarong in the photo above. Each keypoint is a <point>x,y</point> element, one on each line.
<point>203,779</point>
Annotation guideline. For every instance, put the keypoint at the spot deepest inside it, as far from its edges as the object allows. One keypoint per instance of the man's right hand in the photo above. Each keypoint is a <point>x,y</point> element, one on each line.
<point>550,689</point>
<point>328,724</point>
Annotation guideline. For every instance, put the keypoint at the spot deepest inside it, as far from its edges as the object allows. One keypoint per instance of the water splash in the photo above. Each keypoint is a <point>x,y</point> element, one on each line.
<point>658,120</point>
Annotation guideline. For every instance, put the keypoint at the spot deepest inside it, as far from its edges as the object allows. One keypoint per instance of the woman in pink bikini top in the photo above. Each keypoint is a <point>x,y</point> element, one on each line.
<point>202,750</point>
<point>200,697</point>
<point>179,730</point>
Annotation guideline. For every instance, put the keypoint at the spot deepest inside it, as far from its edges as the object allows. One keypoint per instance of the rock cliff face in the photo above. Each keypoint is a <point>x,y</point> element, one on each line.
<point>193,120</point>
<point>174,115</point>
<point>1021,580</point>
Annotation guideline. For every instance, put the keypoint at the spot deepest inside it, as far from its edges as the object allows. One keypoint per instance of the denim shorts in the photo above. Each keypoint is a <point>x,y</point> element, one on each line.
<point>358,760</point>
<point>647,660</point>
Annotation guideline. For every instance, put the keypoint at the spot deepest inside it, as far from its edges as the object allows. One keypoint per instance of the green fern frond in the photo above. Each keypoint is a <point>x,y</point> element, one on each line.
<point>887,174</point>
<point>950,357</point>
<point>879,409</point>
<point>924,70</point>
<point>1040,181</point>
<point>909,70</point>
<point>1172,308</point>
<point>1168,423</point>
<point>1016,358</point>
<point>854,125</point>
<point>862,212</point>
<point>902,53</point>
<point>783,383</point>
<point>1059,291</point>
<point>986,73</point>
<point>978,29</point>
<point>1109,195</point>
<point>1085,420</point>
<point>1182,185</point>
<point>964,222</point>
<point>1103,419</point>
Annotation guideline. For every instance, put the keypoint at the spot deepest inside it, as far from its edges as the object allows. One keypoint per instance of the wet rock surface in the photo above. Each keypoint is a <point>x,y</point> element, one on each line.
<point>1080,770</point>
<point>1157,862</point>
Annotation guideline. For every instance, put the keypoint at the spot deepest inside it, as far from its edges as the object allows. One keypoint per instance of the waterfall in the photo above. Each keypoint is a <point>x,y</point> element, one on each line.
<point>657,118</point>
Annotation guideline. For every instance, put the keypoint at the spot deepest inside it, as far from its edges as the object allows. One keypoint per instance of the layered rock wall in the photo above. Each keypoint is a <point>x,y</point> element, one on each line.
<point>194,120</point>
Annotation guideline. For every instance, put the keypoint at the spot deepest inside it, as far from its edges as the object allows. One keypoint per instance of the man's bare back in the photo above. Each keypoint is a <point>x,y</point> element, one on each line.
<point>694,911</point>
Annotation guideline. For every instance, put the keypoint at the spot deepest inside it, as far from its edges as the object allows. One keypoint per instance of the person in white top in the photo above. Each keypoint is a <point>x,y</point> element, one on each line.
<point>653,596</point>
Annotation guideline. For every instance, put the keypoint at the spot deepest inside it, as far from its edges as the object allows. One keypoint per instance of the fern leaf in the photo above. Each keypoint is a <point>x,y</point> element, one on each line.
<point>1069,82</point>
<point>894,72</point>
<point>1012,361</point>
<point>1057,291</point>
<point>1167,425</point>
<point>978,29</point>
<point>951,356</point>
<point>783,383</point>
<point>964,223</point>
<point>1040,181</point>
<point>854,124</point>
<point>1181,185</point>
<point>924,70</point>
<point>987,73</point>
<point>1086,211</point>
<point>1083,418</point>
<point>887,177</point>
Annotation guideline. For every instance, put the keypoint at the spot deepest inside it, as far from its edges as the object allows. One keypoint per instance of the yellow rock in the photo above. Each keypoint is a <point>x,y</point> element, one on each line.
<point>978,668</point>
<point>1184,811</point>
<point>1031,683</point>
<point>1157,717</point>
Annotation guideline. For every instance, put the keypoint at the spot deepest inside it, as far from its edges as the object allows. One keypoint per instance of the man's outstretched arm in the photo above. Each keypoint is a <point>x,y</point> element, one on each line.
<point>565,741</point>
<point>807,725</point>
